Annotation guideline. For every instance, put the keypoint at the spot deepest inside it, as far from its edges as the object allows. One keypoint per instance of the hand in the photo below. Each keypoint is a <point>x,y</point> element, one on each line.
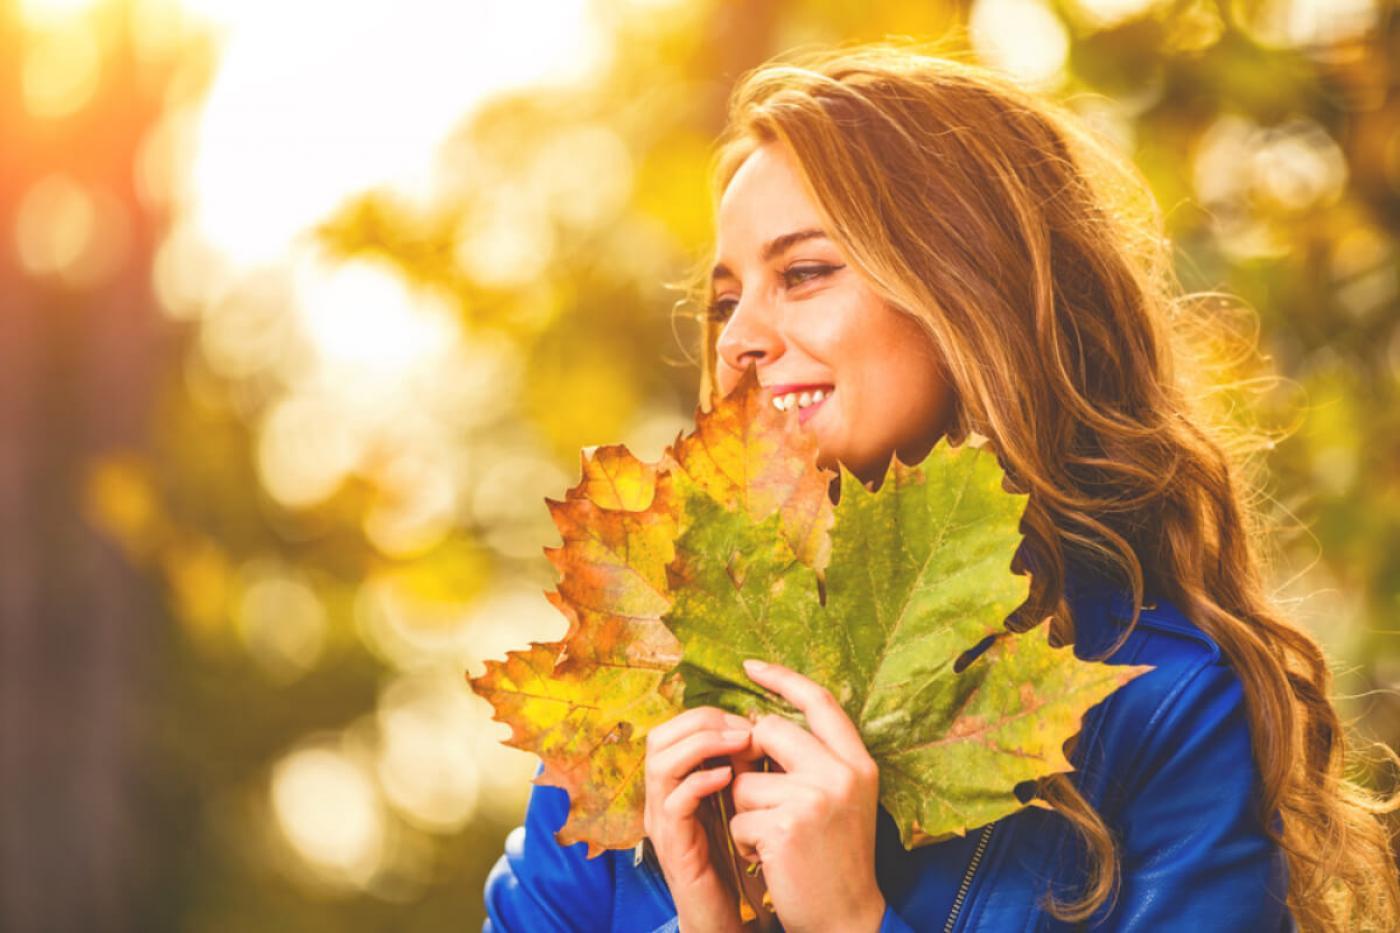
<point>674,790</point>
<point>812,826</point>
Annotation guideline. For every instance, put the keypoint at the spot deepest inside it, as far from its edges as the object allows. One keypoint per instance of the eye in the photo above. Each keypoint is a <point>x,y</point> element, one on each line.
<point>796,275</point>
<point>721,308</point>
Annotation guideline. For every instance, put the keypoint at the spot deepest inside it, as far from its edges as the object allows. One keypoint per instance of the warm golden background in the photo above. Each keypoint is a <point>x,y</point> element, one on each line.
<point>306,306</point>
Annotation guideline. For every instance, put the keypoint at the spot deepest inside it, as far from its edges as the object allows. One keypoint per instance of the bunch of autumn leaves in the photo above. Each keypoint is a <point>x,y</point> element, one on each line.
<point>730,547</point>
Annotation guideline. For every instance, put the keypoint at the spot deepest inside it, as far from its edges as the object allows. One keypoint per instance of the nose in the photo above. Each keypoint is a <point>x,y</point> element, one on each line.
<point>749,336</point>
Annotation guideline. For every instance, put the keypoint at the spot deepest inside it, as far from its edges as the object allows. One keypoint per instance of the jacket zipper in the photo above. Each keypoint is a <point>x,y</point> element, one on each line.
<point>967,877</point>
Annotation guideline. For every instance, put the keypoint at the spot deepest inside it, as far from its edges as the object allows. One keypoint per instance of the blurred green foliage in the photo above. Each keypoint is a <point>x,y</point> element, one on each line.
<point>558,216</point>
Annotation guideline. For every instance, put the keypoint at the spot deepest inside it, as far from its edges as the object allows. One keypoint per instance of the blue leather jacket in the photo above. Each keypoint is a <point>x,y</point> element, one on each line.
<point>1166,760</point>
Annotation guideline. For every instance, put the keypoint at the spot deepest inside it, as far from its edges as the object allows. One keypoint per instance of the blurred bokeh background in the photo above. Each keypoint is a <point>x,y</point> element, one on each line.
<point>306,306</point>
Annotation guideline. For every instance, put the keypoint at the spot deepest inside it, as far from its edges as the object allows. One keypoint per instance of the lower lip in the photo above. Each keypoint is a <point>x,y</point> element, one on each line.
<point>805,414</point>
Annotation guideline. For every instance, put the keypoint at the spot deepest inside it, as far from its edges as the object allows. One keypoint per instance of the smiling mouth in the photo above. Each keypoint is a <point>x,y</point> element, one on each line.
<point>805,413</point>
<point>805,400</point>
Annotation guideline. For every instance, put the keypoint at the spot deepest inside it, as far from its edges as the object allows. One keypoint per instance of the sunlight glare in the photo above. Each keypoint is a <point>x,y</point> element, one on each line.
<point>314,101</point>
<point>41,13</point>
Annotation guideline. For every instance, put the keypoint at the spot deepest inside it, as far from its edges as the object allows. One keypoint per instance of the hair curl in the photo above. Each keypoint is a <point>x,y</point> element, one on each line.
<point>1033,254</point>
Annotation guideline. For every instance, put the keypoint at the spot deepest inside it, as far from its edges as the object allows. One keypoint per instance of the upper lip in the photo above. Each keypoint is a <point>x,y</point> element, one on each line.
<point>786,387</point>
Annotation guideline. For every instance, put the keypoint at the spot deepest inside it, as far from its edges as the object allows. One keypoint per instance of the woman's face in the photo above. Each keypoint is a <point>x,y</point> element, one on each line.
<point>817,331</point>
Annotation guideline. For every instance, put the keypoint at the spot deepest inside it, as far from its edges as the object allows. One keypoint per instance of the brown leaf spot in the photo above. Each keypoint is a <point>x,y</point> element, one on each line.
<point>736,570</point>
<point>966,725</point>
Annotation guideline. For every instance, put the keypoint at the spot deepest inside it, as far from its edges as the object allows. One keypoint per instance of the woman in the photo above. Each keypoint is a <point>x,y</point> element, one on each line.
<point>910,248</point>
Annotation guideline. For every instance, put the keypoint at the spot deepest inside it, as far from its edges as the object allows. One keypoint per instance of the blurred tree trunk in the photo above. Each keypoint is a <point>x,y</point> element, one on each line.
<point>76,625</point>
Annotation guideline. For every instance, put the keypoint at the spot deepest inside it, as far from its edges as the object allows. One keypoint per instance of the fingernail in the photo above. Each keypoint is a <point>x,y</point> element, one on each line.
<point>734,735</point>
<point>738,722</point>
<point>754,666</point>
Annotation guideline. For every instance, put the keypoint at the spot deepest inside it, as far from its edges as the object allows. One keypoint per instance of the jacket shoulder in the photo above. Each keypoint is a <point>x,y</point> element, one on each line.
<point>1166,760</point>
<point>1190,680</point>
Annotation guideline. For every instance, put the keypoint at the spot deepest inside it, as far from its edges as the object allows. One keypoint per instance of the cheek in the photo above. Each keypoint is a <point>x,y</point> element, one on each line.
<point>907,379</point>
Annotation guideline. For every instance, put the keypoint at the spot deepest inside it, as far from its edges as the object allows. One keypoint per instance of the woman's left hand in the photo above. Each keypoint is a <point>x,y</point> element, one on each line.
<point>812,825</point>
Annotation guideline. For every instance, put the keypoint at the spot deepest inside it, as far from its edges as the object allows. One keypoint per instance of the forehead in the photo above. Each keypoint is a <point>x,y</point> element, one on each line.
<point>765,197</point>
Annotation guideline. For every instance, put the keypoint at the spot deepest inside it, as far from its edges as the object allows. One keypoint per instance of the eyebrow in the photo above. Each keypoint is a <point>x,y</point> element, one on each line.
<point>774,248</point>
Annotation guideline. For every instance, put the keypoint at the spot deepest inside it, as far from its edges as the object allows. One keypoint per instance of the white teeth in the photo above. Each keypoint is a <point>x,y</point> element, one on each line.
<point>798,400</point>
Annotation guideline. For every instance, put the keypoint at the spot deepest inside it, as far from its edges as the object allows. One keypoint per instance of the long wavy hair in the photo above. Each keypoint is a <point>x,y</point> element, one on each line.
<point>1033,254</point>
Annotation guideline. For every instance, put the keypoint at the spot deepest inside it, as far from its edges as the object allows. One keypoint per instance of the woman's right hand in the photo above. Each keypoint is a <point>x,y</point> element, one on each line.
<point>674,789</point>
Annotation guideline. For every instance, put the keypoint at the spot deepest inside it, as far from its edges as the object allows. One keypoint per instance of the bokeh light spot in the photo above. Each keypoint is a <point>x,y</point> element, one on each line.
<point>55,224</point>
<point>1304,23</point>
<point>281,620</point>
<point>1105,14</point>
<point>329,811</point>
<point>61,71</point>
<point>1023,38</point>
<point>305,450</point>
<point>362,314</point>
<point>426,759</point>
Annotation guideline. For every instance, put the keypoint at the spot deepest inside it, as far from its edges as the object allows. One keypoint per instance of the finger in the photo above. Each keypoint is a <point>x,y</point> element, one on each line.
<point>692,720</point>
<point>672,764</point>
<point>749,828</point>
<point>757,790</point>
<point>682,802</point>
<point>791,746</point>
<point>749,758</point>
<point>825,716</point>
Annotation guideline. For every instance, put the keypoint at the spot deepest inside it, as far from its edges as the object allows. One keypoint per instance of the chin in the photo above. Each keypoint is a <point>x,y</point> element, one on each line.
<point>861,471</point>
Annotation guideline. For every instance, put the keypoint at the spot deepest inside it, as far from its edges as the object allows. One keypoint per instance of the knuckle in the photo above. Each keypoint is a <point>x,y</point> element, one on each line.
<point>695,745</point>
<point>654,767</point>
<point>813,804</point>
<point>703,717</point>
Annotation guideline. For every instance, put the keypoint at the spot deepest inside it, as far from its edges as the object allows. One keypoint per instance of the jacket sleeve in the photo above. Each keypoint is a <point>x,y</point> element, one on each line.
<point>1194,853</point>
<point>538,884</point>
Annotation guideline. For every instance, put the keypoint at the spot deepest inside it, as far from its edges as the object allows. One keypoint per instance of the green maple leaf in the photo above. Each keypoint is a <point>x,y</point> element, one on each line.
<point>919,574</point>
